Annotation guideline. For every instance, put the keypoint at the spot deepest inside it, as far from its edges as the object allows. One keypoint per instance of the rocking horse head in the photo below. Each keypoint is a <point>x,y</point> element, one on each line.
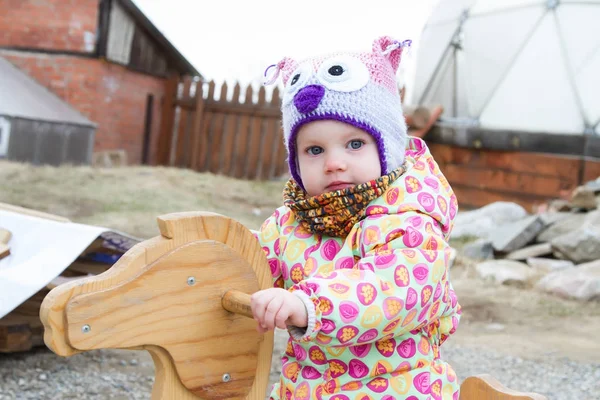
<point>170,295</point>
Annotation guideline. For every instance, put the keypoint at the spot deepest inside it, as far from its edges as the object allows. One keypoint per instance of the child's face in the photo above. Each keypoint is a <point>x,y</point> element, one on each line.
<point>333,155</point>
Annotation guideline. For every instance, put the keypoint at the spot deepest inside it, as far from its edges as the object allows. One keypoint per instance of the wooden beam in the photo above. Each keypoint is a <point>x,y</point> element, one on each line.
<point>537,142</point>
<point>509,181</point>
<point>550,165</point>
<point>163,148</point>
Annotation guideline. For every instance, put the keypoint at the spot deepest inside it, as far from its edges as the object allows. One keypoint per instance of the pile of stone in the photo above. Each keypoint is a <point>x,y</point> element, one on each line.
<point>556,250</point>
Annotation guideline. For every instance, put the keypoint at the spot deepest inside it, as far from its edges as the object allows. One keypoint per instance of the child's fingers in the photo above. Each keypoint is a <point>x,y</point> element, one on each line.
<point>272,310</point>
<point>282,316</point>
<point>260,329</point>
<point>258,304</point>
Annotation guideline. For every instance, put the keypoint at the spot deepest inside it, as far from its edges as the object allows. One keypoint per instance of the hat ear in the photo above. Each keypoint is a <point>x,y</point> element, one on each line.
<point>390,49</point>
<point>286,66</point>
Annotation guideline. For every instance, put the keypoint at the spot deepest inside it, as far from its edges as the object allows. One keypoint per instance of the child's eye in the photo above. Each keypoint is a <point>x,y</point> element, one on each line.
<point>314,150</point>
<point>356,144</point>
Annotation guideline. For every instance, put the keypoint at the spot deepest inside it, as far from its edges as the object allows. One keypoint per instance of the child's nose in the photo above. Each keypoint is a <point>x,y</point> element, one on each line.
<point>335,163</point>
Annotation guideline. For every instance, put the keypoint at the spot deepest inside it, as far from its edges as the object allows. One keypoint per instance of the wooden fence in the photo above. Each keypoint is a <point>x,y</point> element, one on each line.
<point>241,139</point>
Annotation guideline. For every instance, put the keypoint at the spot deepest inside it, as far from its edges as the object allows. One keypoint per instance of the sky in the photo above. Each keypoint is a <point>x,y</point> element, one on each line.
<point>235,40</point>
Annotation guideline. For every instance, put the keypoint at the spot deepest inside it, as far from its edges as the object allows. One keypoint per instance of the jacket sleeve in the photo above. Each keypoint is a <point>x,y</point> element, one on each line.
<point>270,240</point>
<point>397,283</point>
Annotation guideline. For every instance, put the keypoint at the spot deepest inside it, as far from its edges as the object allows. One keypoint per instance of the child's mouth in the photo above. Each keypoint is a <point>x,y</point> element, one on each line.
<point>332,187</point>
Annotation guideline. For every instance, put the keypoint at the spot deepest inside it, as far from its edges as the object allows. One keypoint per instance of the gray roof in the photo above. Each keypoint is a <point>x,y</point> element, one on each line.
<point>21,96</point>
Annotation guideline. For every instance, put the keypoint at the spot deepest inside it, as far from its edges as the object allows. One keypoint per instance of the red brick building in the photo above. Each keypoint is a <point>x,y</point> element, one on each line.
<point>103,57</point>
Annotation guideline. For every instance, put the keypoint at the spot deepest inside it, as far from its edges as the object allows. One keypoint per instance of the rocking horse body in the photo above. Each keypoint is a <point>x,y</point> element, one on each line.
<point>184,296</point>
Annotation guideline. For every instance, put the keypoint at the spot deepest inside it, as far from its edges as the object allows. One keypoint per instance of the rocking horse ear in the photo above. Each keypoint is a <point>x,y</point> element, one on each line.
<point>390,49</point>
<point>286,66</point>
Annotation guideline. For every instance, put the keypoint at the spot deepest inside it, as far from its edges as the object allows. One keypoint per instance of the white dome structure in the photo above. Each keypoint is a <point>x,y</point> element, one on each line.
<point>516,65</point>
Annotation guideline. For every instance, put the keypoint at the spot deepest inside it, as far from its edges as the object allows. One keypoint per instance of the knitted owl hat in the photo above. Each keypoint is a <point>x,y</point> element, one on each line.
<point>359,89</point>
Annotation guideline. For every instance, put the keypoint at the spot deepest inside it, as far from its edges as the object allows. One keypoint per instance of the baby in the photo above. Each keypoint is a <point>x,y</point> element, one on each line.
<point>358,252</point>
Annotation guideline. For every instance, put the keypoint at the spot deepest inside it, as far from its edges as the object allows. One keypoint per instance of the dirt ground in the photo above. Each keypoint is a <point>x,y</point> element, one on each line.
<point>524,322</point>
<point>514,321</point>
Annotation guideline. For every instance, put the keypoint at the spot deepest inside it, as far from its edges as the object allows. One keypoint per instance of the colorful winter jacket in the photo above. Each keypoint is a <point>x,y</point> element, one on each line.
<point>383,302</point>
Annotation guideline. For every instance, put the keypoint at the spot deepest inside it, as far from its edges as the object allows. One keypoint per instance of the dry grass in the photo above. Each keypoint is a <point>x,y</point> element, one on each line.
<point>130,198</point>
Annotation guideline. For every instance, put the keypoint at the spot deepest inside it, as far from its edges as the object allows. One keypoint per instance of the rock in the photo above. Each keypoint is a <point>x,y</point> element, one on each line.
<point>594,185</point>
<point>548,264</point>
<point>495,327</point>
<point>452,257</point>
<point>479,223</point>
<point>481,249</point>
<point>581,282</point>
<point>583,198</point>
<point>559,205</point>
<point>581,245</point>
<point>43,377</point>
<point>133,362</point>
<point>506,272</point>
<point>566,225</point>
<point>513,236</point>
<point>550,218</point>
<point>536,250</point>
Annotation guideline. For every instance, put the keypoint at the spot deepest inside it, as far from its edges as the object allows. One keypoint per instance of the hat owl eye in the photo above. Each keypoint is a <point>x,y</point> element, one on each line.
<point>297,80</point>
<point>336,70</point>
<point>343,73</point>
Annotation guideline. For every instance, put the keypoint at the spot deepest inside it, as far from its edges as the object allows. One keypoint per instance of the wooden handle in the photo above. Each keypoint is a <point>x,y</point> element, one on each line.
<point>237,302</point>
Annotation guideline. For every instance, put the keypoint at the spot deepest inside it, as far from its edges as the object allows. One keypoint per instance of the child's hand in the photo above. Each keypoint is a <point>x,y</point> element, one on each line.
<point>277,308</point>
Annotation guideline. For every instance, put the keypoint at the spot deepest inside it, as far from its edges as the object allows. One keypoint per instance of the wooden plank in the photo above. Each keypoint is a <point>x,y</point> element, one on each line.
<point>226,161</point>
<point>255,138</point>
<point>88,267</point>
<point>564,167</point>
<point>470,197</point>
<point>205,145</point>
<point>591,170</point>
<point>271,146</point>
<point>222,106</point>
<point>20,332</point>
<point>241,148</point>
<point>507,140</point>
<point>163,148</point>
<point>198,136</point>
<point>485,178</point>
<point>208,127</point>
<point>31,306</point>
<point>183,127</point>
<point>216,136</point>
<point>14,336</point>
<point>229,136</point>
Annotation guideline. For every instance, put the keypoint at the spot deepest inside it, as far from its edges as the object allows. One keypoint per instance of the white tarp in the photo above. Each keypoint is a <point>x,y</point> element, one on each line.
<point>41,249</point>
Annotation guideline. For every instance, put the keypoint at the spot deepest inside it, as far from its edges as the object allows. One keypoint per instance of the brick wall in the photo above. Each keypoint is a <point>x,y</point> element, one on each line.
<point>108,94</point>
<point>68,25</point>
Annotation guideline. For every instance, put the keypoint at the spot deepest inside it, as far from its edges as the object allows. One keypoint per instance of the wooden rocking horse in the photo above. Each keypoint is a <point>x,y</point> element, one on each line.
<point>184,296</point>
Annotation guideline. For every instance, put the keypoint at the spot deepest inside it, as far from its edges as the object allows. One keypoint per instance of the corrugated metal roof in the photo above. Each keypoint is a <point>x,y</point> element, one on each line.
<point>21,96</point>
